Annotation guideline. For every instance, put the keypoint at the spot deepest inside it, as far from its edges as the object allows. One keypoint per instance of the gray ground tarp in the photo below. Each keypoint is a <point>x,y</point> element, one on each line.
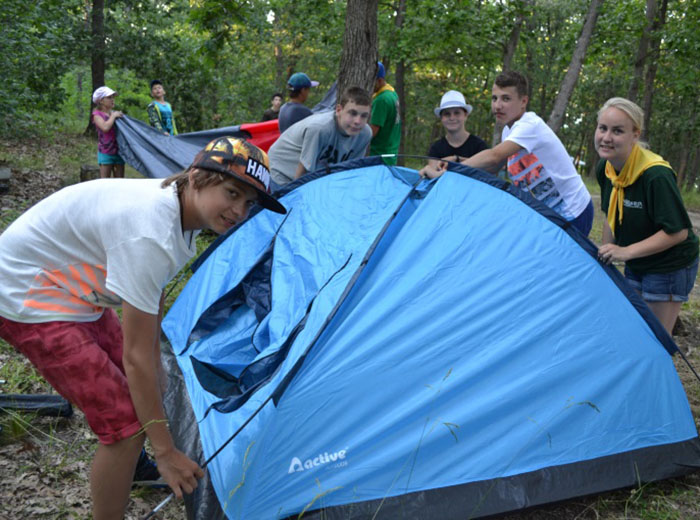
<point>154,154</point>
<point>203,504</point>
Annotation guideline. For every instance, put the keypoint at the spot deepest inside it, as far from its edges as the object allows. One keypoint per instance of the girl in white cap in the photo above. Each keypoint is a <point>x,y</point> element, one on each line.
<point>111,163</point>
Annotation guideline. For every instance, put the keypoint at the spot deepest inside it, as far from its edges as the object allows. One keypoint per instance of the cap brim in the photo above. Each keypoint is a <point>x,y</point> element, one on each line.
<point>271,203</point>
<point>266,200</point>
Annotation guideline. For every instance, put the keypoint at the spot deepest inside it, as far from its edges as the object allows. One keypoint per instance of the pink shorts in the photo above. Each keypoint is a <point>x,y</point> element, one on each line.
<point>83,362</point>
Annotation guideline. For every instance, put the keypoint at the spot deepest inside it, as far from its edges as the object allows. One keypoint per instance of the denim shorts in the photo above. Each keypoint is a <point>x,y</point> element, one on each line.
<point>584,222</point>
<point>665,287</point>
<point>105,158</point>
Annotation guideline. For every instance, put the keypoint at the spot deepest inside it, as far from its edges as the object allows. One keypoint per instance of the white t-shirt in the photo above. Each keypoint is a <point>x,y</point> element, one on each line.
<point>544,168</point>
<point>92,245</point>
<point>313,141</point>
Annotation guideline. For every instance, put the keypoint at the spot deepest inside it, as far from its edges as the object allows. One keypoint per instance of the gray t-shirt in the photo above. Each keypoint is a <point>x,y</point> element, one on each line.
<point>290,113</point>
<point>313,142</point>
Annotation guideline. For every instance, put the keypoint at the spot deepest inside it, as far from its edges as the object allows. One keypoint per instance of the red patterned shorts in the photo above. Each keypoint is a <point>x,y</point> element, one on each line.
<point>83,362</point>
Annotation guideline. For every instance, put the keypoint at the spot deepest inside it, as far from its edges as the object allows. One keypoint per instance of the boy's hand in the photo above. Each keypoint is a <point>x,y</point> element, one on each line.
<point>432,171</point>
<point>117,113</point>
<point>179,471</point>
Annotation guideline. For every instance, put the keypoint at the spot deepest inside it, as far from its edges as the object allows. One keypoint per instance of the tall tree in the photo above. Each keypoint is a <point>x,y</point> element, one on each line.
<point>97,64</point>
<point>401,79</point>
<point>358,62</point>
<point>659,21</point>
<point>511,43</point>
<point>556,118</point>
<point>509,47</point>
<point>642,51</point>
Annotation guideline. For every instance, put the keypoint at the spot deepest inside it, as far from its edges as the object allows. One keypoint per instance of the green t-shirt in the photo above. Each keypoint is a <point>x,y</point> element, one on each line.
<point>385,115</point>
<point>650,204</point>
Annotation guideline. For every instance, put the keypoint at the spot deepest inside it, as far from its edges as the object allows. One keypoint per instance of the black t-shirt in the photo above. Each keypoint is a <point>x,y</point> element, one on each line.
<point>650,204</point>
<point>269,115</point>
<point>471,146</point>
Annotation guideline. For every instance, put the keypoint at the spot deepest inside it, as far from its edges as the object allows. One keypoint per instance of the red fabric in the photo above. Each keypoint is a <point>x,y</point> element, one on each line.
<point>264,134</point>
<point>83,362</point>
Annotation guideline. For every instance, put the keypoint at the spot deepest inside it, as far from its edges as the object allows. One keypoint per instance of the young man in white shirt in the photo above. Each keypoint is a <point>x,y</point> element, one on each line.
<point>71,258</point>
<point>537,160</point>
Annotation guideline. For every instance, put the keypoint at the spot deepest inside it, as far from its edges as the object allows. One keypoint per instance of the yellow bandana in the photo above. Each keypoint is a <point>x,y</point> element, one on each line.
<point>637,163</point>
<point>385,87</point>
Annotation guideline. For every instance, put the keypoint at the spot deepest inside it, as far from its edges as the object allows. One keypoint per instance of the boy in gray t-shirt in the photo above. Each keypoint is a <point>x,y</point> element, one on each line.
<point>326,138</point>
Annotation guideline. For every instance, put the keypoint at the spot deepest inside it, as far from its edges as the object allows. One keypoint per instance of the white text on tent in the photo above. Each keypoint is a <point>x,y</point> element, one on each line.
<point>323,458</point>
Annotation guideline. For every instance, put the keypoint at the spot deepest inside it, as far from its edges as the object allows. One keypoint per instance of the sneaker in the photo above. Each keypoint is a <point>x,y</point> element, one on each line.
<point>146,473</point>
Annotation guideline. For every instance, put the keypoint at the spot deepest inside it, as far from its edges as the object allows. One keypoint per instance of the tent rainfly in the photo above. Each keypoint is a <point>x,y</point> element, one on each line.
<point>400,348</point>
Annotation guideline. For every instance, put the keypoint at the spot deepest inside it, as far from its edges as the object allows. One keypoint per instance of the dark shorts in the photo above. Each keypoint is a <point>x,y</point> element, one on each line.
<point>584,222</point>
<point>664,287</point>
<point>83,362</point>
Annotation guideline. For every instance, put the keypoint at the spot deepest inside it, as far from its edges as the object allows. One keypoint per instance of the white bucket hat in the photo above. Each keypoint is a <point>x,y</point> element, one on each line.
<point>452,99</point>
<point>101,92</point>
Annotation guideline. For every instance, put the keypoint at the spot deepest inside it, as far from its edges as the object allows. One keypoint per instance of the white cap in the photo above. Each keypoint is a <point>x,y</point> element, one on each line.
<point>452,99</point>
<point>101,92</point>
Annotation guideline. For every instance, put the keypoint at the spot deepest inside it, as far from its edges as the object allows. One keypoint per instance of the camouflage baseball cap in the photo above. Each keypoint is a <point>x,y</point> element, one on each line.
<point>242,160</point>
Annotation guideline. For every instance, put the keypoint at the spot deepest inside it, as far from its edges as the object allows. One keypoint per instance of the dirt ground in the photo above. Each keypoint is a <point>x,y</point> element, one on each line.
<point>44,462</point>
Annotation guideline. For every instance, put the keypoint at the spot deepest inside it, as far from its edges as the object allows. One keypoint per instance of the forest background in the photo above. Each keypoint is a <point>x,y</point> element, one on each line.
<point>221,61</point>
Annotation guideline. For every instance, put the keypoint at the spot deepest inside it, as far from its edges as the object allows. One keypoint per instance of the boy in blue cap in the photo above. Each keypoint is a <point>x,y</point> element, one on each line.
<point>294,110</point>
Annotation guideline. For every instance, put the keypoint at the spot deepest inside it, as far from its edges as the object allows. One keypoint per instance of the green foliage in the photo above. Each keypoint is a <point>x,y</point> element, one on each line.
<point>221,61</point>
<point>38,41</point>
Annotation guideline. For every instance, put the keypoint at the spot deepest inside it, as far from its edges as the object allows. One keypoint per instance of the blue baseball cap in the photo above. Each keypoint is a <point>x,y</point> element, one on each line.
<point>299,80</point>
<point>381,73</point>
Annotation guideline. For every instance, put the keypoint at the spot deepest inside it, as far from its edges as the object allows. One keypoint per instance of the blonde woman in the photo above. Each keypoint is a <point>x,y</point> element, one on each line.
<point>647,226</point>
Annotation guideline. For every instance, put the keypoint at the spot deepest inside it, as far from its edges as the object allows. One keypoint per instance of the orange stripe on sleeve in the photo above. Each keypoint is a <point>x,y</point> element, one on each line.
<point>51,307</point>
<point>84,288</point>
<point>60,279</point>
<point>92,277</point>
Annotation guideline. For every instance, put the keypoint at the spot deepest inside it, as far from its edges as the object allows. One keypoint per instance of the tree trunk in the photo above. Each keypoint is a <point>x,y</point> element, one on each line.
<point>400,82</point>
<point>686,146</point>
<point>280,80</point>
<point>531,47</point>
<point>651,69</point>
<point>642,51</point>
<point>358,63</point>
<point>508,52</point>
<point>556,118</point>
<point>512,43</point>
<point>692,177</point>
<point>98,54</point>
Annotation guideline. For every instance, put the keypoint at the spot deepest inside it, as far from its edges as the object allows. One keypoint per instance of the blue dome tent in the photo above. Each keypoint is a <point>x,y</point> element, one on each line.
<point>416,349</point>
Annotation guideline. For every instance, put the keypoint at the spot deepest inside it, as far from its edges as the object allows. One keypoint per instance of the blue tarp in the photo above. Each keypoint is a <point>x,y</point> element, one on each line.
<point>391,339</point>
